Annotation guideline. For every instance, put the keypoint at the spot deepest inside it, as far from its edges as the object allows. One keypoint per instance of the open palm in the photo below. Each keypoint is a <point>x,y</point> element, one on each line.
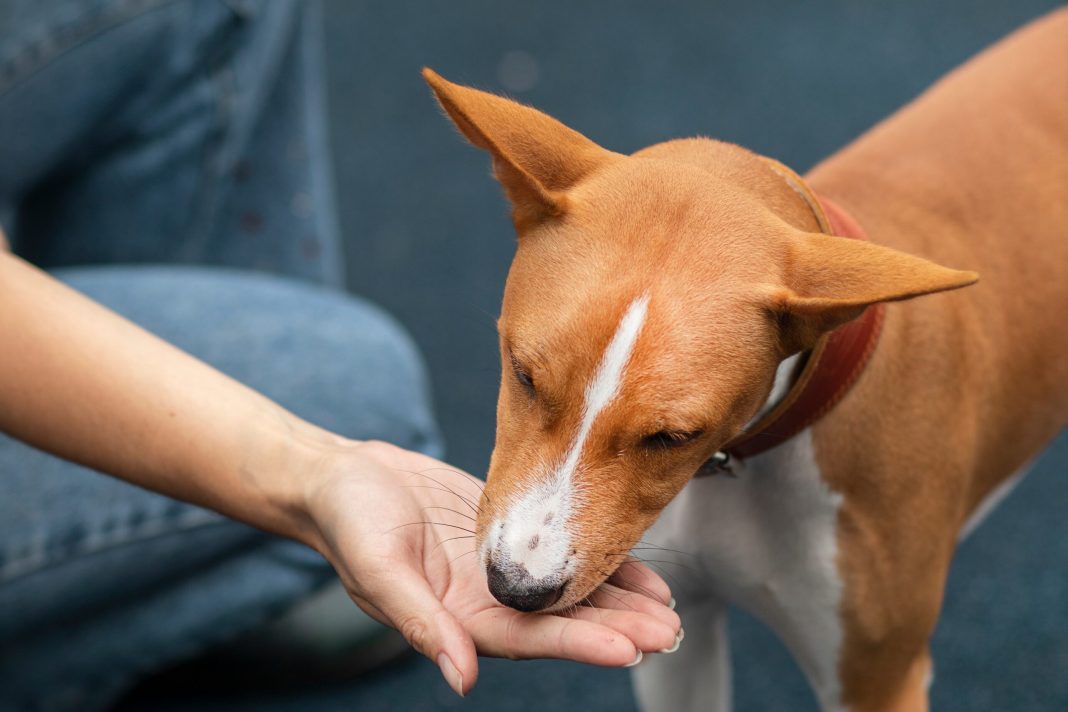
<point>399,529</point>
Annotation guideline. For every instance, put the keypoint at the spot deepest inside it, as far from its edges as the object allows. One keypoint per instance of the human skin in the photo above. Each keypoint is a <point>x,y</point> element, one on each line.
<point>82,383</point>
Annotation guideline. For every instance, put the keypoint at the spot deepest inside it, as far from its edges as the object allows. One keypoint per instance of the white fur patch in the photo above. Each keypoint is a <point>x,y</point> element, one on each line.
<point>606,381</point>
<point>784,379</point>
<point>534,530</point>
<point>767,542</point>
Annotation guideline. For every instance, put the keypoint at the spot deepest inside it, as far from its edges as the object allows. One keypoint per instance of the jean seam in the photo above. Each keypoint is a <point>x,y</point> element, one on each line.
<point>149,530</point>
<point>67,34</point>
<point>214,178</point>
<point>217,167</point>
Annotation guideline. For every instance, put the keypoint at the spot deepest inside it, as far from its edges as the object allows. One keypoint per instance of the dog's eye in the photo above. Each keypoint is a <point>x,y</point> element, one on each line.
<point>665,439</point>
<point>522,376</point>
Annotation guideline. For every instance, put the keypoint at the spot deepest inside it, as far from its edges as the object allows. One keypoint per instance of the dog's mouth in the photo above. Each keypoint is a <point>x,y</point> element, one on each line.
<point>558,578</point>
<point>528,568</point>
<point>512,586</point>
<point>522,593</point>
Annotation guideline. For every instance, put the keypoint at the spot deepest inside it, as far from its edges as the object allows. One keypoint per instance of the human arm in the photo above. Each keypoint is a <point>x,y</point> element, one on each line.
<point>87,384</point>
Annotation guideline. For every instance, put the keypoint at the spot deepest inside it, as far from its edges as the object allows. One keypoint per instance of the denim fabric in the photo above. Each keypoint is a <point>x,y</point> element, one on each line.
<point>138,135</point>
<point>100,581</point>
<point>166,131</point>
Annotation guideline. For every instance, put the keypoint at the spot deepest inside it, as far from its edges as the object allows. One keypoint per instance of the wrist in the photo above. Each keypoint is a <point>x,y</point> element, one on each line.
<point>285,469</point>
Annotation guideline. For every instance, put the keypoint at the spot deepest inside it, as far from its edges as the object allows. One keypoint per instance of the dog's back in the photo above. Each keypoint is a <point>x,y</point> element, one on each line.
<point>975,173</point>
<point>635,338</point>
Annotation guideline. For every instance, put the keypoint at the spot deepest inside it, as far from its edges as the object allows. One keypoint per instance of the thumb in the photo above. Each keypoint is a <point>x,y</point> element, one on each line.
<point>414,610</point>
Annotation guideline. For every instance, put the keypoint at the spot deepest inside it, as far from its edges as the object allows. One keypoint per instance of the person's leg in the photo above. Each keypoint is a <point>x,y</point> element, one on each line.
<point>101,582</point>
<point>176,131</point>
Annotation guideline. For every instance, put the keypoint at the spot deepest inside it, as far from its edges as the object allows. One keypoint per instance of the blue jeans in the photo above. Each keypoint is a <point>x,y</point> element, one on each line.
<point>169,159</point>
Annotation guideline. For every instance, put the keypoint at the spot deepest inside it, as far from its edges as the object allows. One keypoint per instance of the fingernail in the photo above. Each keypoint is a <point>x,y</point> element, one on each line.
<point>671,603</point>
<point>452,675</point>
<point>678,641</point>
<point>635,661</point>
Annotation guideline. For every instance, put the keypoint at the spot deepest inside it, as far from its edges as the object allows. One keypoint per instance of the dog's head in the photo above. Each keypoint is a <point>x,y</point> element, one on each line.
<point>651,298</point>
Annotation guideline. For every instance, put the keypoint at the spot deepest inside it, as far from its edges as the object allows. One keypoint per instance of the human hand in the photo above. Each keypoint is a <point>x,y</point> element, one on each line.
<point>148,413</point>
<point>398,527</point>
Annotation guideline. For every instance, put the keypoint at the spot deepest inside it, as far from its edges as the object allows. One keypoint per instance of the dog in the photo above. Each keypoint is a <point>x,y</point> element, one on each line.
<point>696,339</point>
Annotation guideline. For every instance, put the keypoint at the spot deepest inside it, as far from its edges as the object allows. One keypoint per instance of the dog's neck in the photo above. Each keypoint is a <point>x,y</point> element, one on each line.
<point>785,377</point>
<point>808,385</point>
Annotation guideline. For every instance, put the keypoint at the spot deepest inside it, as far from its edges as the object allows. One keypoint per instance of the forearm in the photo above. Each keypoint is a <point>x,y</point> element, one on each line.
<point>82,383</point>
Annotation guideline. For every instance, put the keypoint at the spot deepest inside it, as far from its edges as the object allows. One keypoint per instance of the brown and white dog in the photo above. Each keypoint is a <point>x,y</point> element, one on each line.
<point>671,305</point>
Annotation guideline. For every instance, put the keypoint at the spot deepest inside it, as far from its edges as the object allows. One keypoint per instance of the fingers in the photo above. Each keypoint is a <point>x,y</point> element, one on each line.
<point>648,634</point>
<point>636,576</point>
<point>502,632</point>
<point>410,606</point>
<point>611,598</point>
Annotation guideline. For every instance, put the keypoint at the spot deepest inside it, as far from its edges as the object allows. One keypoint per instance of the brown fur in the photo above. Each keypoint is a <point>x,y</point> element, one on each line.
<point>962,389</point>
<point>970,385</point>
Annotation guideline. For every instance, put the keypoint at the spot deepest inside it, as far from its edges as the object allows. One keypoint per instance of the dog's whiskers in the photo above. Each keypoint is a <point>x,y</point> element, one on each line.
<point>602,589</point>
<point>466,553</point>
<point>464,499</point>
<point>451,538</point>
<point>437,524</point>
<point>449,509</point>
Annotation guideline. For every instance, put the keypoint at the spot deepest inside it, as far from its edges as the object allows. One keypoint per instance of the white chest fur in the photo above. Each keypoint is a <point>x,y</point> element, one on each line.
<point>766,541</point>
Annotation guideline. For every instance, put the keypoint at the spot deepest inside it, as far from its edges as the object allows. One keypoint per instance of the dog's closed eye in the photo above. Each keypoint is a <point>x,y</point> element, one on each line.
<point>665,439</point>
<point>522,375</point>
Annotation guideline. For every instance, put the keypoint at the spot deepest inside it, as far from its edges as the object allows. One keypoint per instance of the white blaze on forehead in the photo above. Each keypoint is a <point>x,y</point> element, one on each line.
<point>609,376</point>
<point>533,531</point>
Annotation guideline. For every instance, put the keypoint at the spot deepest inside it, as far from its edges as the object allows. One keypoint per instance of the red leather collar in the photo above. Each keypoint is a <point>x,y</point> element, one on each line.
<point>831,367</point>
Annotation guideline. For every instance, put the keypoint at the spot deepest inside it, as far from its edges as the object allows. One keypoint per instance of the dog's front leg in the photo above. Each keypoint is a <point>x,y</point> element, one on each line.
<point>696,677</point>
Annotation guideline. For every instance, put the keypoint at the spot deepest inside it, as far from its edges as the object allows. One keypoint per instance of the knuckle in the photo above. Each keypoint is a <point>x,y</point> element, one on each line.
<point>563,639</point>
<point>376,448</point>
<point>512,640</point>
<point>415,631</point>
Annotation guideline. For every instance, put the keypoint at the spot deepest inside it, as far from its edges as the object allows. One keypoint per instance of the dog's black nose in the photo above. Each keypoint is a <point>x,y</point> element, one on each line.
<point>516,589</point>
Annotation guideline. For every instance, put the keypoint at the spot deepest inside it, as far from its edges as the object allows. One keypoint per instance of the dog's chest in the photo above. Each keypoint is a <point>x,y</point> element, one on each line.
<point>766,541</point>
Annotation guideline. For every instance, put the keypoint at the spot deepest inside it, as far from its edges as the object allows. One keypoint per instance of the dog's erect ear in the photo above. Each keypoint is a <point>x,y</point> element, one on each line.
<point>535,157</point>
<point>830,280</point>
